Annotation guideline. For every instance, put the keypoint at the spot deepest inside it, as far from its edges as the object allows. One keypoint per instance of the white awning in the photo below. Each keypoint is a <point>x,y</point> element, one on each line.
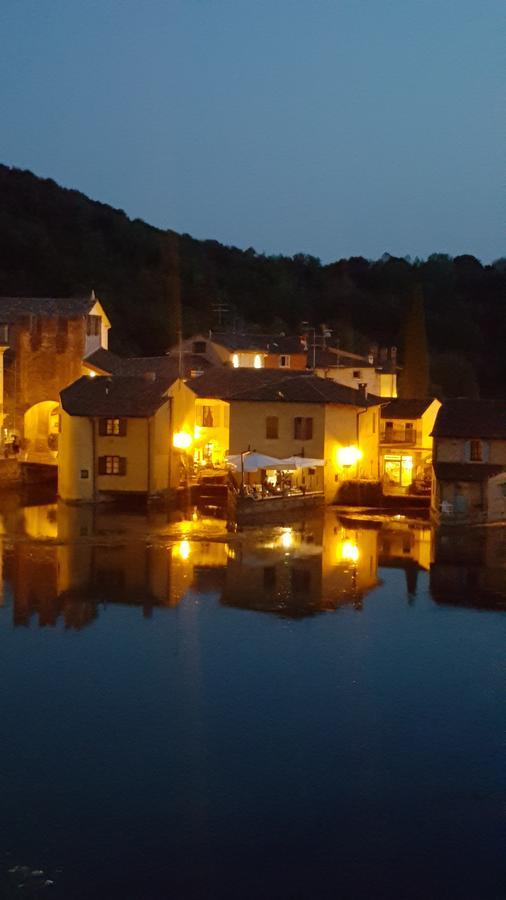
<point>252,462</point>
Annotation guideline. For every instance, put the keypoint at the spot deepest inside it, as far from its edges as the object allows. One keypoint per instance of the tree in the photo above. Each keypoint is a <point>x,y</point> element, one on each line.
<point>414,378</point>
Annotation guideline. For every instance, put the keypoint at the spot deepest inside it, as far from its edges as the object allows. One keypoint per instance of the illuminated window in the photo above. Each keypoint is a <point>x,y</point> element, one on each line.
<point>284,362</point>
<point>272,427</point>
<point>257,362</point>
<point>112,427</point>
<point>112,465</point>
<point>235,360</point>
<point>302,428</point>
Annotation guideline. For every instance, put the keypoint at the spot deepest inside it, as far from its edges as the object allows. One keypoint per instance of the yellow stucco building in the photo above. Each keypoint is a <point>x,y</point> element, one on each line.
<point>280,415</point>
<point>115,438</point>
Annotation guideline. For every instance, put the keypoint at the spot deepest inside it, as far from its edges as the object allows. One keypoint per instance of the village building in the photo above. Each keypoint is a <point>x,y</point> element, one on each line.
<point>280,415</point>
<point>115,438</point>
<point>406,445</point>
<point>248,350</point>
<point>377,372</point>
<point>43,342</point>
<point>469,449</point>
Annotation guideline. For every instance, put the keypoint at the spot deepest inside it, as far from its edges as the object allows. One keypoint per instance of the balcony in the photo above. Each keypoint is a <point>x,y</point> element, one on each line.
<point>408,437</point>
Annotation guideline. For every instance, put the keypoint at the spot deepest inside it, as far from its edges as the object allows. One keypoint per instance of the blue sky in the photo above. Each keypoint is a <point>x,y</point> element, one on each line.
<point>332,127</point>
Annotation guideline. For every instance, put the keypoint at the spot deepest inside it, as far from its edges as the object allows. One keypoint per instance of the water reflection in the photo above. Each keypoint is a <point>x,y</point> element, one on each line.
<point>469,567</point>
<point>64,564</point>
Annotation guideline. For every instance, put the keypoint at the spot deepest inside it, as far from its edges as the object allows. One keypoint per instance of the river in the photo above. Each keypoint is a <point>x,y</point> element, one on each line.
<point>307,711</point>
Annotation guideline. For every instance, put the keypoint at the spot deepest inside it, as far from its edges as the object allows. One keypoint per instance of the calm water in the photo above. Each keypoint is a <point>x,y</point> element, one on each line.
<point>303,712</point>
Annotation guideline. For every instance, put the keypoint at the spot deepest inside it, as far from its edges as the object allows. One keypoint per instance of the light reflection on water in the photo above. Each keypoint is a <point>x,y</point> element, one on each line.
<point>63,562</point>
<point>297,711</point>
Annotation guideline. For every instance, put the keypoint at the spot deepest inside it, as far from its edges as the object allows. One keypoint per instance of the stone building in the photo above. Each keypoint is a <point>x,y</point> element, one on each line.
<point>43,342</point>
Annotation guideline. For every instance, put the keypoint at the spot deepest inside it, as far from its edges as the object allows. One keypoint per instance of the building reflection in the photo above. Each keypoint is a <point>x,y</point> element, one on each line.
<point>406,544</point>
<point>63,565</point>
<point>469,567</point>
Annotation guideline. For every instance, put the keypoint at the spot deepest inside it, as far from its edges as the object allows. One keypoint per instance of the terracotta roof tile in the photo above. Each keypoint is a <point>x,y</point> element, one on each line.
<point>135,397</point>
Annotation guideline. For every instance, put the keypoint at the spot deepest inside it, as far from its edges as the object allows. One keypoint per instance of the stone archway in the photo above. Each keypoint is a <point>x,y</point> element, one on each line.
<point>41,429</point>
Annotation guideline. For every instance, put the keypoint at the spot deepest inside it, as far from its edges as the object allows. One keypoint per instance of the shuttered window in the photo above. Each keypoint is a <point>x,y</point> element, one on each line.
<point>272,427</point>
<point>302,428</point>
<point>112,427</point>
<point>112,465</point>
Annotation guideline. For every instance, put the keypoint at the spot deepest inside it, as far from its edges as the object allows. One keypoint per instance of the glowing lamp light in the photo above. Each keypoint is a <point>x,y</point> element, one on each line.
<point>257,362</point>
<point>286,539</point>
<point>91,374</point>
<point>197,431</point>
<point>182,440</point>
<point>235,361</point>
<point>184,549</point>
<point>348,456</point>
<point>349,552</point>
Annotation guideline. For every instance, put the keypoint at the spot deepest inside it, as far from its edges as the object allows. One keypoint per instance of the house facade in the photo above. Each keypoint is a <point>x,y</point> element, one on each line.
<point>378,374</point>
<point>469,449</point>
<point>247,350</point>
<point>115,438</point>
<point>44,343</point>
<point>406,444</point>
<point>280,415</point>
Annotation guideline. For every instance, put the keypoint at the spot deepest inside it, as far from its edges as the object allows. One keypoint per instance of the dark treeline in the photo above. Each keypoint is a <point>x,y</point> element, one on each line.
<point>55,241</point>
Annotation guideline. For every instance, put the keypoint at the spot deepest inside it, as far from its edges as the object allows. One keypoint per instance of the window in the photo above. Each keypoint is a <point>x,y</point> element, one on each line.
<point>207,416</point>
<point>284,362</point>
<point>272,427</point>
<point>408,431</point>
<point>93,325</point>
<point>199,346</point>
<point>4,333</point>
<point>112,427</point>
<point>235,360</point>
<point>258,362</point>
<point>357,373</point>
<point>302,428</point>
<point>476,454</point>
<point>112,465</point>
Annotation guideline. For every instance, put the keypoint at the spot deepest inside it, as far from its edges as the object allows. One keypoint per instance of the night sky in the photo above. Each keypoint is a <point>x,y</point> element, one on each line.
<point>331,127</point>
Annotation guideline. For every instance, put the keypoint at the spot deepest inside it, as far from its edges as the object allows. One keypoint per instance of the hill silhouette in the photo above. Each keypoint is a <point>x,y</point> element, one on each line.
<point>55,241</point>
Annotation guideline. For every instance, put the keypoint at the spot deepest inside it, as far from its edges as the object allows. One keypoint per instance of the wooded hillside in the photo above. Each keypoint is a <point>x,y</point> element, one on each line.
<point>55,241</point>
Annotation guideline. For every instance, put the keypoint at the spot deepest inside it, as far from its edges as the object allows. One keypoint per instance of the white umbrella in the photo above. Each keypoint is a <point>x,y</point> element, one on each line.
<point>304,462</point>
<point>252,462</point>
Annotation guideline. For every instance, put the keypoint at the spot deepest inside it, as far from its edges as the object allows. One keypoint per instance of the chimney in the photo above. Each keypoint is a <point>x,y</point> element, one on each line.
<point>370,359</point>
<point>383,355</point>
<point>362,389</point>
<point>373,351</point>
<point>393,355</point>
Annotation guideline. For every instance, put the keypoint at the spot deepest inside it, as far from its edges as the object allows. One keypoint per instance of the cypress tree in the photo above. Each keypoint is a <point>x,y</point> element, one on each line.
<point>414,378</point>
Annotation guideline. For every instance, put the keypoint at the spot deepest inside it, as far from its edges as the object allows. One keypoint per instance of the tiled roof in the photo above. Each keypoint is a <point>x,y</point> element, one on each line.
<point>448,471</point>
<point>162,366</point>
<point>405,408</point>
<point>12,308</point>
<point>118,396</point>
<point>104,360</point>
<point>459,418</point>
<point>275,385</point>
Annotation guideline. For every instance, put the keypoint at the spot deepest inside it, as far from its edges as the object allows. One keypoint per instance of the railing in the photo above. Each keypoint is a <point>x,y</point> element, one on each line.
<point>398,436</point>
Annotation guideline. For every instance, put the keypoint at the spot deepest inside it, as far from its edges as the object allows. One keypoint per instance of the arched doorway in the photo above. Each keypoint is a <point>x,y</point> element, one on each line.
<point>41,428</point>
